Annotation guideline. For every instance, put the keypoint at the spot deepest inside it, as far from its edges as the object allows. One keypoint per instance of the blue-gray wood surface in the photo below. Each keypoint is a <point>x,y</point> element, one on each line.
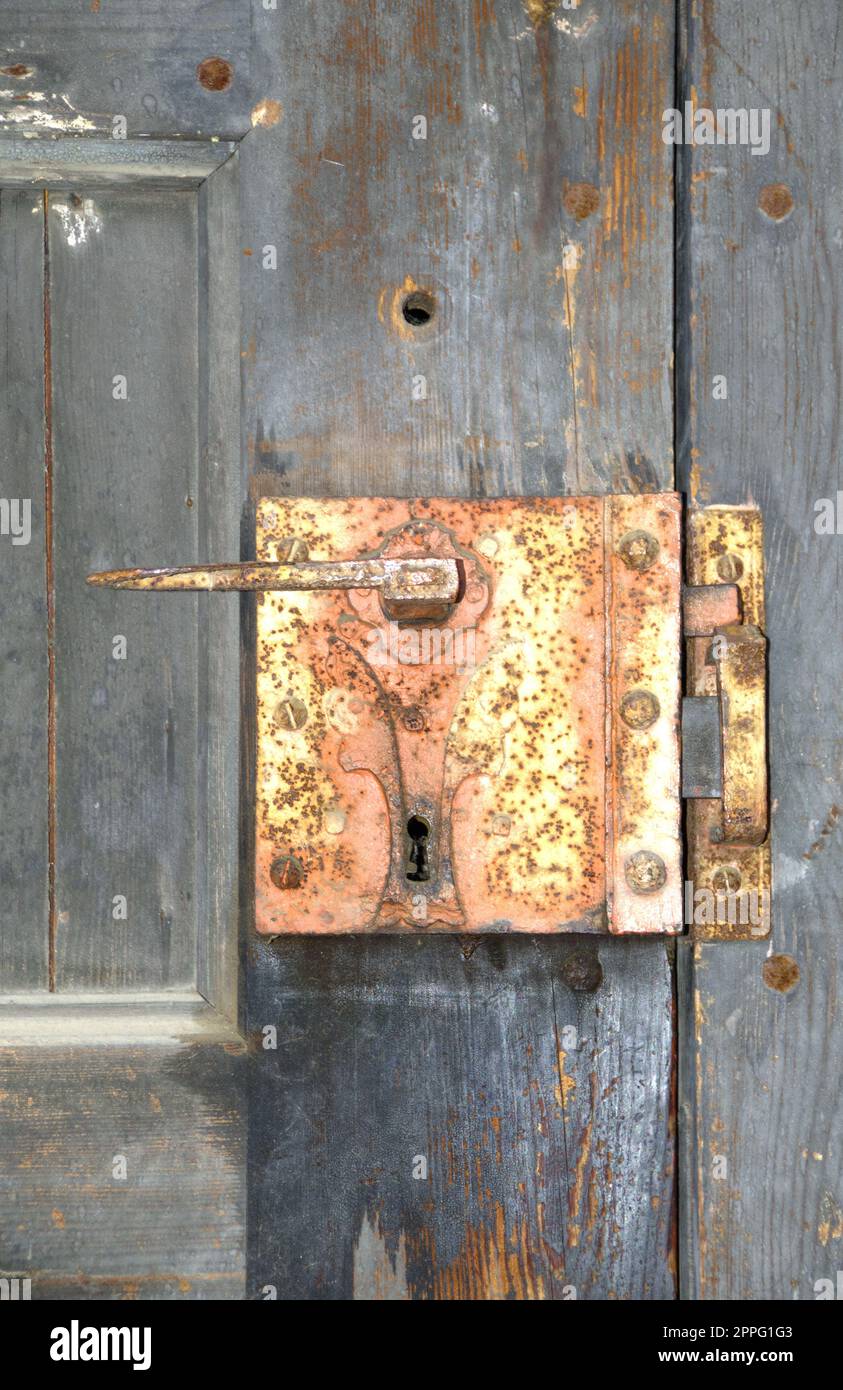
<point>539,209</point>
<point>760,273</point>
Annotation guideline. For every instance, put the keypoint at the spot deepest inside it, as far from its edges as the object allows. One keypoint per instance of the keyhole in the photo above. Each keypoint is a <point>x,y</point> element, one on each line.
<point>419,832</point>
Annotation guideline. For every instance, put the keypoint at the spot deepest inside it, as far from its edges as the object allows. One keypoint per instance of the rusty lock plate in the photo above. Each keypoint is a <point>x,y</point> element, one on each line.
<point>506,762</point>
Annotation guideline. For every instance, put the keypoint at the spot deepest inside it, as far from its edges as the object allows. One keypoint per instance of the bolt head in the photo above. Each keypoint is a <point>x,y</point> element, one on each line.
<point>291,713</point>
<point>638,550</point>
<point>729,568</point>
<point>726,879</point>
<point>639,709</point>
<point>645,872</point>
<point>582,971</point>
<point>287,872</point>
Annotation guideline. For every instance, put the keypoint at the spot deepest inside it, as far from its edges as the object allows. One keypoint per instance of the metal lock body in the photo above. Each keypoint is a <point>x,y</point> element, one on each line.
<point>468,712</point>
<point>473,771</point>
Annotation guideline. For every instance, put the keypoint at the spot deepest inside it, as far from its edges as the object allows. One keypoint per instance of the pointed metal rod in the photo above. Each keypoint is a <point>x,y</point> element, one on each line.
<point>401,580</point>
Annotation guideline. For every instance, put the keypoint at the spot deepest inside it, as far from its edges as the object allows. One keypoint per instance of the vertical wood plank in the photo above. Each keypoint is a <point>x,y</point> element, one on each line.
<point>218,649</point>
<point>123,291</point>
<point>763,1165</point>
<point>538,217</point>
<point>23,607</point>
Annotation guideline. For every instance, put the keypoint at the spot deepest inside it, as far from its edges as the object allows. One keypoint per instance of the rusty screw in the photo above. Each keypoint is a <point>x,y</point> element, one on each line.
<point>582,972</point>
<point>726,879</point>
<point>413,719</point>
<point>730,568</point>
<point>287,872</point>
<point>291,713</point>
<point>645,872</point>
<point>638,550</point>
<point>639,709</point>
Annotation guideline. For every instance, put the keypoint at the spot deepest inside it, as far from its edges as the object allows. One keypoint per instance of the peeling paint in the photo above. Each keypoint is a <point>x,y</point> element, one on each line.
<point>44,120</point>
<point>378,1276</point>
<point>78,220</point>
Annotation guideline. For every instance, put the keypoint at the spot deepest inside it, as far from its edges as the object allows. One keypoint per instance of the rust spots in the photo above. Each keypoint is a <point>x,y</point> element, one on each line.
<point>822,839</point>
<point>267,112</point>
<point>494,1263</point>
<point>830,1225</point>
<point>580,199</point>
<point>17,70</point>
<point>580,102</point>
<point>780,973</point>
<point>776,201</point>
<point>58,1219</point>
<point>215,74</point>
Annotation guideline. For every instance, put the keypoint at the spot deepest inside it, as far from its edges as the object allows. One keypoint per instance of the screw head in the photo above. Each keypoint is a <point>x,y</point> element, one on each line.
<point>645,872</point>
<point>215,74</point>
<point>726,879</point>
<point>639,709</point>
<point>729,568</point>
<point>582,971</point>
<point>287,872</point>
<point>638,550</point>
<point>413,719</point>
<point>291,713</point>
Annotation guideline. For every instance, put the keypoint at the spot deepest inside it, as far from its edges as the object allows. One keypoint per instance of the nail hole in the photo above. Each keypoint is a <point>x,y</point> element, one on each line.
<point>418,308</point>
<point>418,830</point>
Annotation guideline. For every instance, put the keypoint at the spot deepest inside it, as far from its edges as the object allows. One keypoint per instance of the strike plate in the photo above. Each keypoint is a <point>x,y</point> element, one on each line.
<point>508,763</point>
<point>729,859</point>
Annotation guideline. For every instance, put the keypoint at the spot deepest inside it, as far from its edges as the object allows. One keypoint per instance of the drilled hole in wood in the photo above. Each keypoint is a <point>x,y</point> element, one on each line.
<point>418,830</point>
<point>418,308</point>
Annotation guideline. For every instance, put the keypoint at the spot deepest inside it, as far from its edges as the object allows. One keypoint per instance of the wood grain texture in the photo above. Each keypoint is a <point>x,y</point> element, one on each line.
<point>220,489</point>
<point>67,69</point>
<point>534,212</point>
<point>123,295</point>
<point>541,1116</point>
<point>173,1227</point>
<point>540,220</point>
<point>23,605</point>
<point>761,305</point>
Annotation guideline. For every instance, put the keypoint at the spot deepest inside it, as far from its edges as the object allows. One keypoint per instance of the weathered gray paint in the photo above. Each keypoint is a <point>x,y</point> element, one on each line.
<point>23,604</point>
<point>548,370</point>
<point>87,63</point>
<point>123,299</point>
<point>761,1069</point>
<point>89,1075</point>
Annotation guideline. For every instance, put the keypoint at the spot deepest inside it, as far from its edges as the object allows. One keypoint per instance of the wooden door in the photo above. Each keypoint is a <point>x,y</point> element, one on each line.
<point>210,218</point>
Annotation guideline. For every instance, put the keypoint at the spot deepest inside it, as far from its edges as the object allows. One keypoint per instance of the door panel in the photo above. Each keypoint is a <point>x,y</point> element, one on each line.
<point>24,683</point>
<point>123,347</point>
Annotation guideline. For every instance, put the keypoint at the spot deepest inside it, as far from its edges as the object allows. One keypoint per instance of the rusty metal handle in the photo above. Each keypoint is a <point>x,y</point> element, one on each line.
<point>404,583</point>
